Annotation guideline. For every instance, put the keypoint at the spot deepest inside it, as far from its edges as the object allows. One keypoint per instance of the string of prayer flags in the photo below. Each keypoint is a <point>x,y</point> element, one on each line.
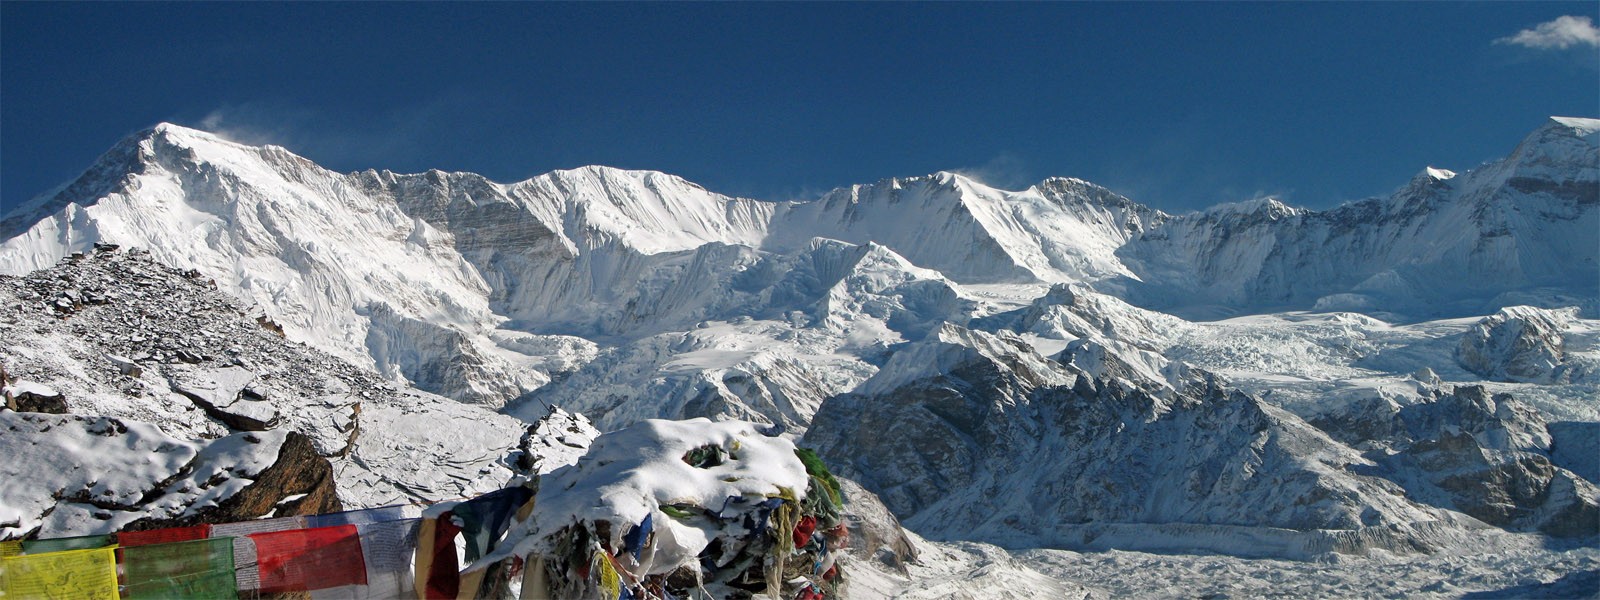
<point>82,542</point>
<point>380,514</point>
<point>128,539</point>
<point>79,574</point>
<point>197,569</point>
<point>307,559</point>
<point>246,576</point>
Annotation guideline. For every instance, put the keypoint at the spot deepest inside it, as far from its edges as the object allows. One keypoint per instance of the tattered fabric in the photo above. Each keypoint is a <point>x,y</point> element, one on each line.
<point>246,575</point>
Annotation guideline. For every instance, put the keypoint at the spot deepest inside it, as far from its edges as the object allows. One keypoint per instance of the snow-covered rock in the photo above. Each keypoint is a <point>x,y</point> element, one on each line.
<point>84,475</point>
<point>973,436</point>
<point>1519,343</point>
<point>948,340</point>
<point>1059,230</point>
<point>1486,455</point>
<point>683,506</point>
<point>400,273</point>
<point>206,368</point>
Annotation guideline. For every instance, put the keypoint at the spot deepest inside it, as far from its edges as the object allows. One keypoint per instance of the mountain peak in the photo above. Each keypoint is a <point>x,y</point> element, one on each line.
<point>1580,125</point>
<point>1439,174</point>
<point>180,134</point>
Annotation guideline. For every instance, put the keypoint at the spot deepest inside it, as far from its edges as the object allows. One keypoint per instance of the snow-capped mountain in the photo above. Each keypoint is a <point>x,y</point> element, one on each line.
<point>408,274</point>
<point>1006,367</point>
<point>1525,229</point>
<point>480,291</point>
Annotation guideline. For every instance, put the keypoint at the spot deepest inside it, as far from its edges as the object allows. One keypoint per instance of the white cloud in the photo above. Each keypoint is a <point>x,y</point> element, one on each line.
<point>1560,34</point>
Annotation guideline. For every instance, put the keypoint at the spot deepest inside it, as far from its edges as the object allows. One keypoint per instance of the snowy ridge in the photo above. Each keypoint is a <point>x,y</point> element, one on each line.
<point>1438,246</point>
<point>1059,230</point>
<point>450,265</point>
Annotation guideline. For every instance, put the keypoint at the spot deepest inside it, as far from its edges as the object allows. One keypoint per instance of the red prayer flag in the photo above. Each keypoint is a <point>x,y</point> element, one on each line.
<point>443,573</point>
<point>803,531</point>
<point>128,539</point>
<point>309,559</point>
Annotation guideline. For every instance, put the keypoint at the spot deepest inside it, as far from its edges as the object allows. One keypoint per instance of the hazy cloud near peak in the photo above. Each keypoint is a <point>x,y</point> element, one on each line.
<point>1005,171</point>
<point>1562,33</point>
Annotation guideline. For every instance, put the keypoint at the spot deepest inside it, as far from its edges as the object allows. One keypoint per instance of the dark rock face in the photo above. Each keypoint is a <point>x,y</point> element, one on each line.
<point>1575,446</point>
<point>30,398</point>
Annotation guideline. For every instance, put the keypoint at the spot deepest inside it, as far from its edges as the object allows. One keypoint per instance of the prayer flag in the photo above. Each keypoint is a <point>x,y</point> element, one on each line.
<point>198,569</point>
<point>387,548</point>
<point>484,519</point>
<point>438,567</point>
<point>78,574</point>
<point>308,559</point>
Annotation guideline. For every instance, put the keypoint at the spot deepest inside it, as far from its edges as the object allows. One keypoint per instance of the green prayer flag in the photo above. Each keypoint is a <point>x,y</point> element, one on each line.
<point>194,569</point>
<point>83,542</point>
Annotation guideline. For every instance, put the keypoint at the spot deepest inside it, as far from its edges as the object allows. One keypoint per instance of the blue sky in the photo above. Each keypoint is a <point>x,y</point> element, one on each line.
<point>1176,105</point>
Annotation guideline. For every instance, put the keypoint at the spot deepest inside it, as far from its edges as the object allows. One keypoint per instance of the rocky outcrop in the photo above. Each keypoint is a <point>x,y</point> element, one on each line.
<point>1519,343</point>
<point>74,474</point>
<point>875,533</point>
<point>168,350</point>
<point>557,439</point>
<point>226,395</point>
<point>1486,455</point>
<point>1490,455</point>
<point>974,436</point>
<point>299,482</point>
<point>27,396</point>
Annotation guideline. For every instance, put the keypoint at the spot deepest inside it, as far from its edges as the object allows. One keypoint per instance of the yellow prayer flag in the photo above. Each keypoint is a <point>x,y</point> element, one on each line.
<point>11,548</point>
<point>85,574</point>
